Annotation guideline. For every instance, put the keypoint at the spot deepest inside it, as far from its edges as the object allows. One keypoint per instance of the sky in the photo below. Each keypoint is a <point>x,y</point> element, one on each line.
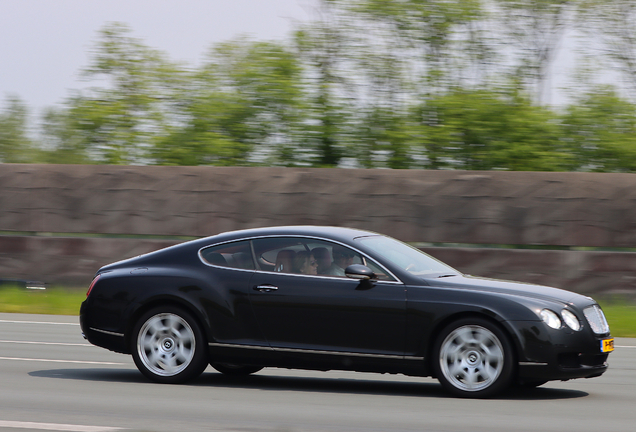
<point>44,44</point>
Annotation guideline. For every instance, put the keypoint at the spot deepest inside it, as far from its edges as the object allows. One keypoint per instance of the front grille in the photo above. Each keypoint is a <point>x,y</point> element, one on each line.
<point>596,318</point>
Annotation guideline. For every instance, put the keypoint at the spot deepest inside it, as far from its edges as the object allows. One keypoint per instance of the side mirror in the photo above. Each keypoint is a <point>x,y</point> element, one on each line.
<point>360,272</point>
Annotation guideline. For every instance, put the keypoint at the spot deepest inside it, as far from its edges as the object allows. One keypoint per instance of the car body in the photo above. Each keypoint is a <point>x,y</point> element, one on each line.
<point>233,301</point>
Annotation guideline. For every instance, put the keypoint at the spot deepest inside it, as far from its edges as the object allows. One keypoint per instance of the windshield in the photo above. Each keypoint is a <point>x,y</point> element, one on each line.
<point>406,257</point>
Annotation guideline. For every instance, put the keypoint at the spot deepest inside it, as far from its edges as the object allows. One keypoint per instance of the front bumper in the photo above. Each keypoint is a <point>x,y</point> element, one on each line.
<point>546,354</point>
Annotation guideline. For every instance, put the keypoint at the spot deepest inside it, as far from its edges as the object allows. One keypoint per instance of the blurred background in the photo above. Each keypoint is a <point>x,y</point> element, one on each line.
<point>269,91</point>
<point>541,85</point>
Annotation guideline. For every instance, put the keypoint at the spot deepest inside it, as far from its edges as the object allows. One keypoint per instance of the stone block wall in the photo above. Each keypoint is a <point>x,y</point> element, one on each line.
<point>60,223</point>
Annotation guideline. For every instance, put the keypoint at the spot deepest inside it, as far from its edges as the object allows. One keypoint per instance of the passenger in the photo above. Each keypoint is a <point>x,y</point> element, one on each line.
<point>324,259</point>
<point>305,263</point>
<point>342,258</point>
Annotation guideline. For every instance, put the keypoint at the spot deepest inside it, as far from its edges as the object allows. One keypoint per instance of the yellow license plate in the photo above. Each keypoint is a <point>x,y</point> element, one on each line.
<point>607,345</point>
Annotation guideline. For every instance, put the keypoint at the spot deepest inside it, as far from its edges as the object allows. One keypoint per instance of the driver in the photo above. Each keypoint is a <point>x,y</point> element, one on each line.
<point>342,258</point>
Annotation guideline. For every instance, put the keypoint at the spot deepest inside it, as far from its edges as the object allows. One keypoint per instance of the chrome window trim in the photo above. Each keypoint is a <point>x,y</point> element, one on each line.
<point>331,277</point>
<point>310,351</point>
<point>397,280</point>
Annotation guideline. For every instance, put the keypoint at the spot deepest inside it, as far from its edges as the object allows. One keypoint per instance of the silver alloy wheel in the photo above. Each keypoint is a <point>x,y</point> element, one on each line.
<point>166,344</point>
<point>471,358</point>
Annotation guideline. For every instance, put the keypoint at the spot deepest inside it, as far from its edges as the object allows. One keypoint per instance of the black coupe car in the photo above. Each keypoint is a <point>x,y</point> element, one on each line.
<point>337,298</point>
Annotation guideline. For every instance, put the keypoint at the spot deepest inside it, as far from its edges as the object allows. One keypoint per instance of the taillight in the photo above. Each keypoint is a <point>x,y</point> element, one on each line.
<point>90,288</point>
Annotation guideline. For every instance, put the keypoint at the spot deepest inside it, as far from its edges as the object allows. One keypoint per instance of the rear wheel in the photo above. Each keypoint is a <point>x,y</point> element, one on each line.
<point>473,358</point>
<point>168,346</point>
<point>235,369</point>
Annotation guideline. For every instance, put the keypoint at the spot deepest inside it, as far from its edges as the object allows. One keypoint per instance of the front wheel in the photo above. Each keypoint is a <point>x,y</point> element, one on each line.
<point>473,358</point>
<point>168,346</point>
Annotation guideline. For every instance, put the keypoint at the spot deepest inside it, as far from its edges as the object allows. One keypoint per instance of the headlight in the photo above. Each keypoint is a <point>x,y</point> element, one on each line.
<point>550,318</point>
<point>570,320</point>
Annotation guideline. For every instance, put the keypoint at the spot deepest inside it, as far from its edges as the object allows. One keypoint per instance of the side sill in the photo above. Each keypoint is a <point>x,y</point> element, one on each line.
<point>308,351</point>
<point>107,332</point>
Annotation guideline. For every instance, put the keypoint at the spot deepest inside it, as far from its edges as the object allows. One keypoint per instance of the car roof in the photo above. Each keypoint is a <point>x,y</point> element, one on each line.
<point>336,233</point>
<point>171,253</point>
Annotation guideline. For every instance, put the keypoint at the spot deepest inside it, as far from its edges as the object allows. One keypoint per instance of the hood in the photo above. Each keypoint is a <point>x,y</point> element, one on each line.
<point>521,289</point>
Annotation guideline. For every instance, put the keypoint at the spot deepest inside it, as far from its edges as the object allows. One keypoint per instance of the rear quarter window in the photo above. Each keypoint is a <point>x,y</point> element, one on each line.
<point>232,255</point>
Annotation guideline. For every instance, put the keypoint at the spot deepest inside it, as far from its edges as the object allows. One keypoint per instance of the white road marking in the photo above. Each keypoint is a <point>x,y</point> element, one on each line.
<point>37,322</point>
<point>625,346</point>
<point>46,343</point>
<point>55,427</point>
<point>62,361</point>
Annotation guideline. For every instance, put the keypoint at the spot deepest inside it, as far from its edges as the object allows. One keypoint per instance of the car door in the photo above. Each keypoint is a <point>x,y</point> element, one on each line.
<point>229,269</point>
<point>324,312</point>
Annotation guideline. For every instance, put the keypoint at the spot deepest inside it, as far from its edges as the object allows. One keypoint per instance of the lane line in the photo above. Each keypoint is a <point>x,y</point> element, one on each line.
<point>55,426</point>
<point>46,343</point>
<point>37,322</point>
<point>63,361</point>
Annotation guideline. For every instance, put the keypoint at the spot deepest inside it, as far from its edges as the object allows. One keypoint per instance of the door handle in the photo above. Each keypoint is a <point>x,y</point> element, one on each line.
<point>265,288</point>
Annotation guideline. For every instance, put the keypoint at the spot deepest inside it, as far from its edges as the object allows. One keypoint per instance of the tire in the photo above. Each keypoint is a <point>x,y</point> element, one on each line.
<point>235,370</point>
<point>168,346</point>
<point>473,358</point>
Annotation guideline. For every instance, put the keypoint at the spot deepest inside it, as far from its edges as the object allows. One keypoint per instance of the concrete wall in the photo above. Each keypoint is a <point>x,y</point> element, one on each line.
<point>55,219</point>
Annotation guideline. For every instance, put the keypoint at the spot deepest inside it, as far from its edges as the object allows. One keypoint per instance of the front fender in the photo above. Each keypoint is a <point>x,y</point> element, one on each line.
<point>429,309</point>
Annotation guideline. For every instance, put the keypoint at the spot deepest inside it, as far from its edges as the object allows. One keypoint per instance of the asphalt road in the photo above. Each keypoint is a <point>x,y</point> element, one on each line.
<point>51,379</point>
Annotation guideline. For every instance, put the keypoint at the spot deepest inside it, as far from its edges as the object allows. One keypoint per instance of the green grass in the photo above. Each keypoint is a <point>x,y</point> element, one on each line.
<point>620,313</point>
<point>621,318</point>
<point>54,301</point>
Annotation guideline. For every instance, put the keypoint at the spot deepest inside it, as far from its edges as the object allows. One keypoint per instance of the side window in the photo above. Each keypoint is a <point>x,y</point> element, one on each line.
<point>379,271</point>
<point>280,254</point>
<point>300,255</point>
<point>334,258</point>
<point>234,255</point>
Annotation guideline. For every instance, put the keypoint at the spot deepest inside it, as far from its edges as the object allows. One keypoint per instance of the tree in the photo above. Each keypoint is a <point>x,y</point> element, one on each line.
<point>60,141</point>
<point>612,24</point>
<point>428,32</point>
<point>324,48</point>
<point>120,123</point>
<point>600,128</point>
<point>486,130</point>
<point>15,144</point>
<point>240,108</point>
<point>536,27</point>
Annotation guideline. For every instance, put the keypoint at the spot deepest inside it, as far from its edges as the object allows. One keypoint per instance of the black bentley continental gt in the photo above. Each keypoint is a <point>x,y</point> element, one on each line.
<point>324,298</point>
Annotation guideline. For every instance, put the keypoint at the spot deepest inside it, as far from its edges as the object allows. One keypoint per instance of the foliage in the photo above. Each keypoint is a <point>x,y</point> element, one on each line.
<point>244,103</point>
<point>442,84</point>
<point>612,25</point>
<point>537,26</point>
<point>426,30</point>
<point>15,145</point>
<point>484,130</point>
<point>120,122</point>
<point>601,131</point>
